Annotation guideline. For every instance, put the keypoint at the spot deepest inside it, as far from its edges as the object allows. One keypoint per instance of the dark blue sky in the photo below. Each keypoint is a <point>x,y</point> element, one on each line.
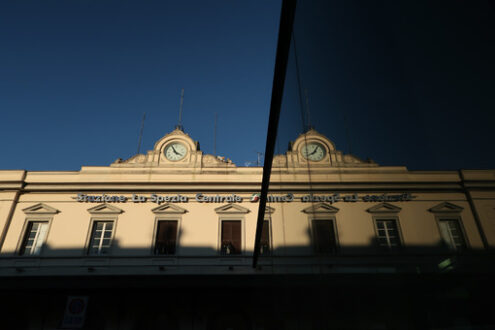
<point>402,82</point>
<point>76,77</point>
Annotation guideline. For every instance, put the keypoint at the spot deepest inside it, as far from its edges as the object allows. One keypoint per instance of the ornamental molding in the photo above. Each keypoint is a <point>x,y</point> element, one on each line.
<point>179,135</point>
<point>320,208</point>
<point>105,209</point>
<point>40,208</point>
<point>169,208</point>
<point>216,161</point>
<point>446,207</point>
<point>332,157</point>
<point>384,208</point>
<point>231,208</point>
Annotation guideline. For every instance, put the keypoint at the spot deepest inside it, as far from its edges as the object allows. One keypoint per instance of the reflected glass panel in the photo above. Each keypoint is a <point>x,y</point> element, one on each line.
<point>381,101</point>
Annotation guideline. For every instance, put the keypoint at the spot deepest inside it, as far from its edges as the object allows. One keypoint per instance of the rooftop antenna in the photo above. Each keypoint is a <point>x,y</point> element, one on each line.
<point>179,126</point>
<point>308,118</point>
<point>347,134</point>
<point>215,136</point>
<point>141,133</point>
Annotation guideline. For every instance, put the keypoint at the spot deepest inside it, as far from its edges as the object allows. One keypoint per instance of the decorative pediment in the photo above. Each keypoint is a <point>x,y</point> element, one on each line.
<point>136,159</point>
<point>312,135</point>
<point>316,149</point>
<point>320,208</point>
<point>216,161</point>
<point>177,134</point>
<point>384,208</point>
<point>168,209</point>
<point>279,161</point>
<point>446,207</point>
<point>231,209</point>
<point>105,209</point>
<point>190,154</point>
<point>40,208</point>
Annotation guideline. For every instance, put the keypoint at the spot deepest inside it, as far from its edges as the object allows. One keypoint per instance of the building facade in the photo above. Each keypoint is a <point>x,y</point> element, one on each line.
<point>165,240</point>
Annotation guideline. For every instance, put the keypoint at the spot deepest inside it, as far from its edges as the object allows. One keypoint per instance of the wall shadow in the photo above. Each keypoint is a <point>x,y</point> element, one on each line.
<point>355,287</point>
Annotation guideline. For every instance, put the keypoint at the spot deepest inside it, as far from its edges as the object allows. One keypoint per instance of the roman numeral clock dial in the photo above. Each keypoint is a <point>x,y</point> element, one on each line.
<point>175,151</point>
<point>313,151</point>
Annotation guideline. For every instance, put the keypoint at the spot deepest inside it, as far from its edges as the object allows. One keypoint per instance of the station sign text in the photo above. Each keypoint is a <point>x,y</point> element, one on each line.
<point>233,198</point>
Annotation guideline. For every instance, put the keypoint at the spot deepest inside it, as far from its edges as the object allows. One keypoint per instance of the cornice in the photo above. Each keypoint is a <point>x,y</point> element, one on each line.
<point>240,187</point>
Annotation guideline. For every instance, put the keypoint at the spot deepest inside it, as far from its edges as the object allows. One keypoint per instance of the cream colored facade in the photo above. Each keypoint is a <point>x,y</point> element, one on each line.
<point>350,192</point>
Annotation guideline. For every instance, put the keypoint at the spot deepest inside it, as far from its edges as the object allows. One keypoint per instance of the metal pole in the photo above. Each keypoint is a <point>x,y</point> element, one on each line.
<point>141,134</point>
<point>283,46</point>
<point>215,136</point>
<point>179,126</point>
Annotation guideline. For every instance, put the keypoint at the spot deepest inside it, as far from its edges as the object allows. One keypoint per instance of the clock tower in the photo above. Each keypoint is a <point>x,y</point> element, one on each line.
<point>175,150</point>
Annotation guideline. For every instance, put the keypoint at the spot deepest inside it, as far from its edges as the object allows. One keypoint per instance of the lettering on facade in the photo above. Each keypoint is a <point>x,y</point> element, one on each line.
<point>100,198</point>
<point>280,199</point>
<point>388,198</point>
<point>355,197</point>
<point>134,198</point>
<point>218,199</point>
<point>233,198</point>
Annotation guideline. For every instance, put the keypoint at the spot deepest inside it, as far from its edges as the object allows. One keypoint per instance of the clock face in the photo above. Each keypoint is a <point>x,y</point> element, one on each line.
<point>313,151</point>
<point>175,151</point>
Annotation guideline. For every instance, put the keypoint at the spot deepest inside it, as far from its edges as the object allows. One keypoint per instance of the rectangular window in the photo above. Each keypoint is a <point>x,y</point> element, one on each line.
<point>324,238</point>
<point>34,239</point>
<point>231,242</point>
<point>101,238</point>
<point>265,238</point>
<point>166,237</point>
<point>387,233</point>
<point>451,233</point>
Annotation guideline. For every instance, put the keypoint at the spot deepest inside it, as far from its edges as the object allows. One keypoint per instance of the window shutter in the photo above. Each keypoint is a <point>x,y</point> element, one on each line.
<point>226,231</point>
<point>28,240</point>
<point>451,233</point>
<point>40,240</point>
<point>236,236</point>
<point>166,237</point>
<point>265,238</point>
<point>265,233</point>
<point>34,238</point>
<point>231,237</point>
<point>324,236</point>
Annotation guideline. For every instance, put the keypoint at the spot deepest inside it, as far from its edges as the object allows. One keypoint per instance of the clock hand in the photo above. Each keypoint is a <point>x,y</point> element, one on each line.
<point>316,148</point>
<point>176,151</point>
